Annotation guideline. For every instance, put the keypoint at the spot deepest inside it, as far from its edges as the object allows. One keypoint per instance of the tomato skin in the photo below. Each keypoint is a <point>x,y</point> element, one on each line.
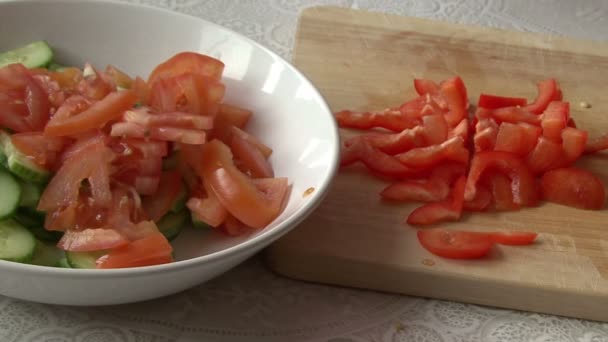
<point>524,187</point>
<point>446,210</point>
<point>88,240</point>
<point>234,190</point>
<point>251,158</point>
<point>151,250</point>
<point>111,107</point>
<point>43,150</point>
<point>233,227</point>
<point>188,62</point>
<point>455,244</point>
<point>548,90</point>
<point>573,187</point>
<point>494,101</point>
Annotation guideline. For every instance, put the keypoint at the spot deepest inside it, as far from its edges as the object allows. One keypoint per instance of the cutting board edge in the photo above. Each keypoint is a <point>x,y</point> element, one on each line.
<point>299,265</point>
<point>491,34</point>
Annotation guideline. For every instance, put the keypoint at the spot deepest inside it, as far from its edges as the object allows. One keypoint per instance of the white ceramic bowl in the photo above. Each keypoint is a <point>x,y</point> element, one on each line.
<point>290,116</point>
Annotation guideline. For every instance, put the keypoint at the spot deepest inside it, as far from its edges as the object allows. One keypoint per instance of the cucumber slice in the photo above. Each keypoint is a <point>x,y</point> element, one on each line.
<point>16,242</point>
<point>30,195</point>
<point>63,263</point>
<point>198,223</point>
<point>5,139</point>
<point>46,255</point>
<point>180,202</point>
<point>34,55</point>
<point>83,259</point>
<point>35,224</point>
<point>26,169</point>
<point>10,194</point>
<point>171,224</point>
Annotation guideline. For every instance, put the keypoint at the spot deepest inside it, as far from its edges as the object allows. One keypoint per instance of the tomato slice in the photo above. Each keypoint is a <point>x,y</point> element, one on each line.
<point>573,187</point>
<point>425,86</point>
<point>424,157</point>
<point>374,159</point>
<point>158,204</point>
<point>555,119</point>
<point>274,190</point>
<point>446,210</point>
<point>548,90</point>
<point>264,149</point>
<point>227,117</point>
<point>180,120</point>
<point>455,244</point>
<point>523,183</point>
<point>120,78</point>
<point>92,239</point>
<point>208,210</point>
<point>43,150</point>
<point>180,135</point>
<point>251,158</point>
<point>234,190</point>
<point>513,238</point>
<point>233,227</point>
<point>96,86</point>
<point>185,63</point>
<point>390,119</point>
<point>494,101</point>
<point>110,108</point>
<point>128,130</point>
<point>151,250</point>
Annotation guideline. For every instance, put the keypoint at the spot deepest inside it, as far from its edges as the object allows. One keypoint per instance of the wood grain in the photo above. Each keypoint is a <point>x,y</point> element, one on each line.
<point>366,61</point>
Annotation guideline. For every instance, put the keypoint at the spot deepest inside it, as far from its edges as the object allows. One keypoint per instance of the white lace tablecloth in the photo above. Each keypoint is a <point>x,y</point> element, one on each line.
<point>252,304</point>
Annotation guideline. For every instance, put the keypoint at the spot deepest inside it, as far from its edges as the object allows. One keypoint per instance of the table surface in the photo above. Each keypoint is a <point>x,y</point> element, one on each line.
<point>250,303</point>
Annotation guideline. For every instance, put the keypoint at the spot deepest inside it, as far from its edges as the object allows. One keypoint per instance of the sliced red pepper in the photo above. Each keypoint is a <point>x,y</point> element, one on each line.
<point>545,155</point>
<point>455,244</point>
<point>482,200</point>
<point>513,238</point>
<point>573,144</point>
<point>455,94</point>
<point>374,159</point>
<point>433,189</point>
<point>446,210</point>
<point>574,187</point>
<point>548,90</point>
<point>494,101</point>
<point>425,86</point>
<point>516,138</point>
<point>391,119</point>
<point>391,143</point>
<point>523,183</point>
<point>555,119</point>
<point>502,195</point>
<point>424,157</point>
<point>435,129</point>
<point>510,114</point>
<point>597,144</point>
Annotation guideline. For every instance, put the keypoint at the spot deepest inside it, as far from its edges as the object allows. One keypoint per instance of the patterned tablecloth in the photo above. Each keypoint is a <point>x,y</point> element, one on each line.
<point>250,303</point>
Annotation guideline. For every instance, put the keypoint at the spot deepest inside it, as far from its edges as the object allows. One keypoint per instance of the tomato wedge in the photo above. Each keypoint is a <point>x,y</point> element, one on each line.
<point>157,205</point>
<point>101,112</point>
<point>455,244</point>
<point>88,240</point>
<point>151,250</point>
<point>185,63</point>
<point>208,210</point>
<point>574,187</point>
<point>251,159</point>
<point>42,149</point>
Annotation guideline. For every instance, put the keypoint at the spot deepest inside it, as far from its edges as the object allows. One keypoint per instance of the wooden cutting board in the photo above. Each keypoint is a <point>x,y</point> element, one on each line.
<point>366,61</point>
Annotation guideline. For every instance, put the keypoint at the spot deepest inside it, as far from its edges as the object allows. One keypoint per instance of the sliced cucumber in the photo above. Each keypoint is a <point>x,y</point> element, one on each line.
<point>34,55</point>
<point>63,263</point>
<point>10,194</point>
<point>83,259</point>
<point>47,255</point>
<point>5,139</point>
<point>16,242</point>
<point>26,169</point>
<point>197,222</point>
<point>35,224</point>
<point>30,195</point>
<point>180,202</point>
<point>172,223</point>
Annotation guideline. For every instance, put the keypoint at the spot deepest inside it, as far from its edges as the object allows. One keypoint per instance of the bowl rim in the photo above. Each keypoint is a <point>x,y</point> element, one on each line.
<point>289,223</point>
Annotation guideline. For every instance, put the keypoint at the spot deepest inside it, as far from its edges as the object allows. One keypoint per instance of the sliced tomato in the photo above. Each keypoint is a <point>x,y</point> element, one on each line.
<point>157,205</point>
<point>190,93</point>
<point>24,104</point>
<point>120,78</point>
<point>391,143</point>
<point>101,112</point>
<point>523,184</point>
<point>425,86</point>
<point>274,190</point>
<point>548,90</point>
<point>233,227</point>
<point>374,159</point>
<point>251,159</point>
<point>574,187</point>
<point>67,78</point>
<point>208,210</point>
<point>455,94</point>
<point>91,163</point>
<point>151,250</point>
<point>146,185</point>
<point>92,239</point>
<point>73,105</point>
<point>455,244</point>
<point>234,189</point>
<point>573,144</point>
<point>446,210</point>
<point>390,119</point>
<point>142,90</point>
<point>494,101</point>
<point>545,155</point>
<point>227,117</point>
<point>555,119</point>
<point>266,151</point>
<point>180,120</point>
<point>424,157</point>
<point>180,135</point>
<point>513,238</point>
<point>185,63</point>
<point>43,150</point>
<point>96,86</point>
<point>128,130</point>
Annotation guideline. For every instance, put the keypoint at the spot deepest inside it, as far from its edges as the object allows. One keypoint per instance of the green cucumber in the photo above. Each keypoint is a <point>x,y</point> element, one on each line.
<point>35,224</point>
<point>10,194</point>
<point>172,223</point>
<point>16,242</point>
<point>5,139</point>
<point>19,164</point>
<point>34,55</point>
<point>180,201</point>
<point>197,222</point>
<point>63,263</point>
<point>46,255</point>
<point>30,195</point>
<point>83,259</point>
